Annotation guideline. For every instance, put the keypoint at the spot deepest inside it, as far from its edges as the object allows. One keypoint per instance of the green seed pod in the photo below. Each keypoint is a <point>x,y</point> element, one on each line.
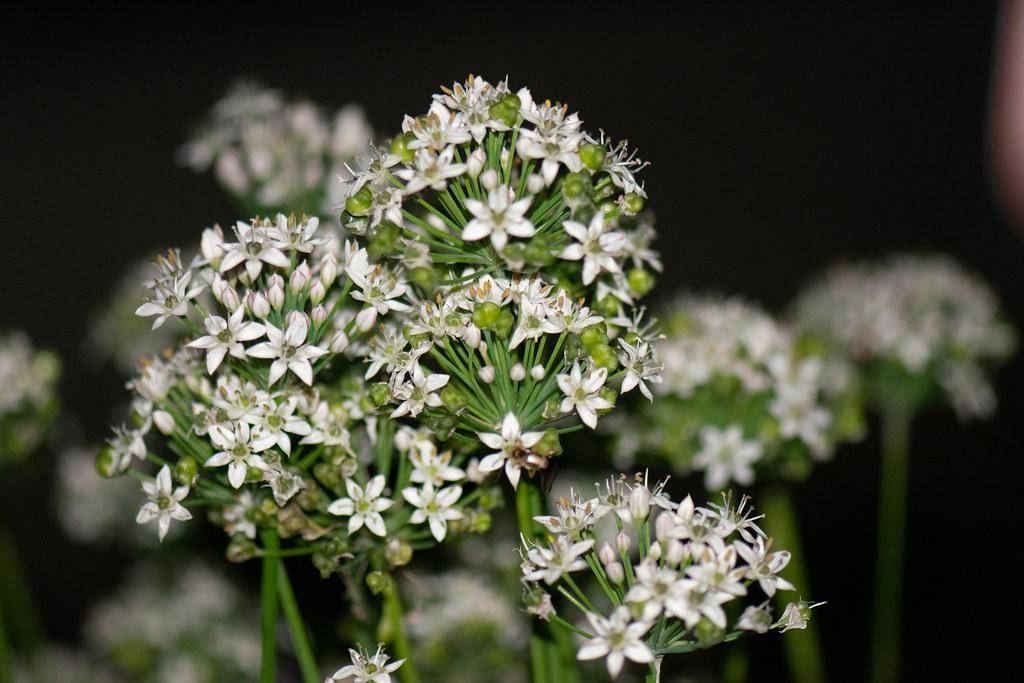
<point>594,335</point>
<point>400,147</point>
<point>610,395</point>
<point>106,462</point>
<point>504,324</point>
<point>454,398</point>
<point>486,314</point>
<point>549,444</point>
<point>377,582</point>
<point>536,252</point>
<point>633,203</point>
<point>592,156</point>
<point>380,393</point>
<point>610,210</point>
<point>186,471</point>
<point>360,203</point>
<point>608,306</point>
<point>398,552</point>
<point>574,185</point>
<point>604,357</point>
<point>640,281</point>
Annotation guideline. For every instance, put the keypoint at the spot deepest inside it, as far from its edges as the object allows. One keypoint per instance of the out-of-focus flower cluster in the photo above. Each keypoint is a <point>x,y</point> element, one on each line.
<point>28,396</point>
<point>666,584</point>
<point>262,418</point>
<point>916,325</point>
<point>739,397</point>
<point>276,154</point>
<point>187,625</point>
<point>524,234</point>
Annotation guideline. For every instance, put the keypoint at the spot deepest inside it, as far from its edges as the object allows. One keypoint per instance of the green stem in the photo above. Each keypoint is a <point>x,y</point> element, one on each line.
<point>25,631</point>
<point>653,674</point>
<point>803,648</point>
<point>394,616</point>
<point>736,668</point>
<point>6,660</point>
<point>296,627</point>
<point>551,652</point>
<point>268,613</point>
<point>892,518</point>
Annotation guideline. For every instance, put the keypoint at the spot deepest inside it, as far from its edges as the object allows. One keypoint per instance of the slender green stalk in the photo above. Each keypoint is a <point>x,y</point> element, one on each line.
<point>653,674</point>
<point>803,648</point>
<point>296,627</point>
<point>394,615</point>
<point>892,519</point>
<point>25,631</point>
<point>6,663</point>
<point>736,668</point>
<point>268,613</point>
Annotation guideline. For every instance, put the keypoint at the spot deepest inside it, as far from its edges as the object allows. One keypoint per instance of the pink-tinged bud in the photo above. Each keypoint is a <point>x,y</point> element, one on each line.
<point>210,245</point>
<point>537,372</point>
<point>217,286</point>
<point>299,279</point>
<point>296,317</point>
<point>471,335</point>
<point>475,163</point>
<point>676,552</point>
<point>639,502</point>
<point>328,270</point>
<point>615,572</point>
<point>654,552</point>
<point>164,421</point>
<point>517,373</point>
<point>535,183</point>
<point>607,554</point>
<point>230,299</point>
<point>664,525</point>
<point>339,342</point>
<point>623,542</point>
<point>486,374</point>
<point>489,179</point>
<point>317,292</point>
<point>275,295</point>
<point>257,304</point>
<point>318,315</point>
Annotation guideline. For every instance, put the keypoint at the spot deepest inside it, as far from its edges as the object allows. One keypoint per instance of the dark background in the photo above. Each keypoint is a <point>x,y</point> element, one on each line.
<point>779,141</point>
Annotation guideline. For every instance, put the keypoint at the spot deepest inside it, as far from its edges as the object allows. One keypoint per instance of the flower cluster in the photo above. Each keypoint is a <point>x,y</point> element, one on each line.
<point>28,396</point>
<point>277,154</point>
<point>673,579</point>
<point>186,625</point>
<point>261,416</point>
<point>917,326</point>
<point>739,397</point>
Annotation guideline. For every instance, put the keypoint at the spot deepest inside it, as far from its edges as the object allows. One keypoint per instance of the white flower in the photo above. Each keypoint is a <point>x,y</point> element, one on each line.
<point>275,421</point>
<point>296,235</point>
<point>509,446</point>
<point>170,299</point>
<point>575,515</point>
<point>597,248</point>
<point>691,600</point>
<point>795,616</point>
<point>253,249</point>
<point>618,638</point>
<point>225,337</point>
<point>364,669</point>
<point>419,391</point>
<point>764,566</point>
<point>800,416</point>
<point>431,171</point>
<point>640,366</point>
<point>582,392</point>
<point>430,466</point>
<point>653,586</point>
<point>125,445</point>
<point>499,217</point>
<point>563,557</point>
<point>238,451</point>
<point>757,618</point>
<point>378,287</point>
<point>164,502</point>
<point>725,456</point>
<point>434,507</point>
<point>363,506</point>
<point>289,350</point>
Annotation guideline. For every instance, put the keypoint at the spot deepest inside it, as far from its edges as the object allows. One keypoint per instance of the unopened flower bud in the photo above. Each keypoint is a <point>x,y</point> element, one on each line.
<point>296,317</point>
<point>664,525</point>
<point>535,183</point>
<point>275,295</point>
<point>475,163</point>
<point>339,342</point>
<point>676,552</point>
<point>639,502</point>
<point>654,552</point>
<point>615,572</point>
<point>471,335</point>
<point>229,297</point>
<point>257,304</point>
<point>164,421</point>
<point>318,315</point>
<point>106,462</point>
<point>517,373</point>
<point>537,372</point>
<point>607,554</point>
<point>317,292</point>
<point>210,245</point>
<point>489,179</point>
<point>623,542</point>
<point>300,278</point>
<point>328,270</point>
<point>486,374</point>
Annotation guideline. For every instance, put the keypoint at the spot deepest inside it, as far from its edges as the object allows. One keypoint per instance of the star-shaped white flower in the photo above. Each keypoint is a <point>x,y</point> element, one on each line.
<point>500,217</point>
<point>764,566</point>
<point>597,247</point>
<point>363,506</point>
<point>582,392</point>
<point>418,392</point>
<point>237,450</point>
<point>170,299</point>
<point>508,446</point>
<point>563,557</point>
<point>430,466</point>
<point>618,638</point>
<point>253,248</point>
<point>434,507</point>
<point>289,350</point>
<point>366,669</point>
<point>431,171</point>
<point>164,502</point>
<point>225,337</point>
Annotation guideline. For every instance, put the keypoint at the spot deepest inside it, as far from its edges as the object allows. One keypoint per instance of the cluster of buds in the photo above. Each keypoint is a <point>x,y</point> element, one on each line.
<point>741,397</point>
<point>28,396</point>
<point>674,579</point>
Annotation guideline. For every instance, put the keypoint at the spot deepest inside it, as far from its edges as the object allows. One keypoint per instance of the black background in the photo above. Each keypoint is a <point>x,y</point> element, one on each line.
<point>779,141</point>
